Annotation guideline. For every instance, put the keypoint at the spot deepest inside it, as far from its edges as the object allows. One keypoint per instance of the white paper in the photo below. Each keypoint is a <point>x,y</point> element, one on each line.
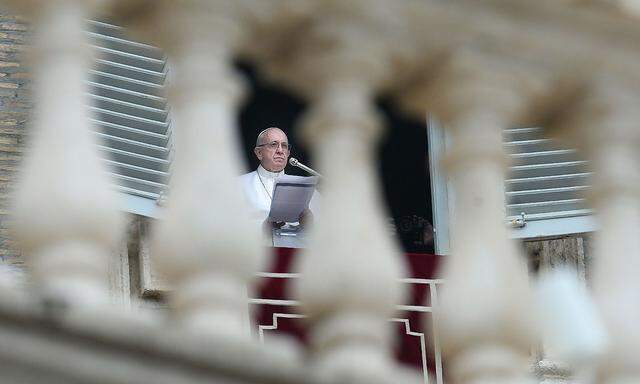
<point>291,196</point>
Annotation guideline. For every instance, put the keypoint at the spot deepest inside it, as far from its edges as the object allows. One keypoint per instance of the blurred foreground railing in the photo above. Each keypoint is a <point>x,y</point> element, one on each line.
<point>413,327</point>
<point>41,342</point>
<point>479,67</point>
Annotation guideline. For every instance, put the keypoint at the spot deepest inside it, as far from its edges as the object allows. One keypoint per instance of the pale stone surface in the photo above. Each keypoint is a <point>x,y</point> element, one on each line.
<point>66,218</point>
<point>41,346</point>
<point>549,372</point>
<point>616,199</point>
<point>205,245</point>
<point>485,308</point>
<point>549,254</point>
<point>349,273</point>
<point>16,102</point>
<point>571,66</point>
<point>119,276</point>
<point>152,283</point>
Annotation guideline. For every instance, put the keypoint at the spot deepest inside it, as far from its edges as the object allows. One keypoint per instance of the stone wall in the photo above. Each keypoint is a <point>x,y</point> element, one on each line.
<point>573,251</point>
<point>14,106</point>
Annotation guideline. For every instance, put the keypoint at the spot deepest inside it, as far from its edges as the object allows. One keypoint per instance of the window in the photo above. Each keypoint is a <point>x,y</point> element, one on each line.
<point>545,186</point>
<point>126,87</point>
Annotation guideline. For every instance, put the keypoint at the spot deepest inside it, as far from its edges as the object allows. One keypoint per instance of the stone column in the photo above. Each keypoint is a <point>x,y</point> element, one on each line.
<point>349,284</point>
<point>485,316</point>
<point>66,217</point>
<point>605,123</point>
<point>205,245</point>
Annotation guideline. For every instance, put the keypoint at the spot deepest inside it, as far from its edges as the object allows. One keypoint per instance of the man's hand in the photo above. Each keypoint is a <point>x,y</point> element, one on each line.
<point>306,218</point>
<point>267,226</point>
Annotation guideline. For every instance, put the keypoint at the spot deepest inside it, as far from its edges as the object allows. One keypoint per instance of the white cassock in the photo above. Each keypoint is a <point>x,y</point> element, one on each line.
<point>258,189</point>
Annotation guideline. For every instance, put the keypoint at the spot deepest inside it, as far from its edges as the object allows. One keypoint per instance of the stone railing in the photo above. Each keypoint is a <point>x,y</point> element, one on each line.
<point>479,66</point>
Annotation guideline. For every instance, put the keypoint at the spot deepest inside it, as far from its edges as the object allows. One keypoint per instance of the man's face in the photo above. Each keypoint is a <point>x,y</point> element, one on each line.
<point>271,153</point>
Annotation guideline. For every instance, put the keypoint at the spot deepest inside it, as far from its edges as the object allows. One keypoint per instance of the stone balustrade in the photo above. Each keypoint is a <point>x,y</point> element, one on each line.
<point>66,216</point>
<point>479,66</point>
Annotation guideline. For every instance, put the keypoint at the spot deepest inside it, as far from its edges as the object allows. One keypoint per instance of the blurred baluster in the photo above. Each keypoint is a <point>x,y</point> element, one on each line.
<point>486,313</point>
<point>66,217</point>
<point>205,245</point>
<point>349,285</point>
<point>604,124</point>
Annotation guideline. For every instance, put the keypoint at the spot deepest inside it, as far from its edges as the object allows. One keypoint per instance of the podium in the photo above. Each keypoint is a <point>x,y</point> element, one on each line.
<point>289,237</point>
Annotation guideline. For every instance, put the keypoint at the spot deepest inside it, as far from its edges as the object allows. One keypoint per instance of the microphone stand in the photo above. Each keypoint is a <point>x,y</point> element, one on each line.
<point>293,161</point>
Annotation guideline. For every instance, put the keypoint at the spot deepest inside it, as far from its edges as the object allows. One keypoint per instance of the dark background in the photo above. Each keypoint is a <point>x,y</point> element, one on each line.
<point>402,154</point>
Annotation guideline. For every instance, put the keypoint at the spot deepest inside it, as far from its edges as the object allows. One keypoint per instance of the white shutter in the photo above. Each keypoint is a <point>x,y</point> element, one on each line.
<point>546,182</point>
<point>126,87</point>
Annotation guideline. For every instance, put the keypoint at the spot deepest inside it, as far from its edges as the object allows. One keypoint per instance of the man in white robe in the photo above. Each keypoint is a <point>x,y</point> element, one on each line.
<point>273,150</point>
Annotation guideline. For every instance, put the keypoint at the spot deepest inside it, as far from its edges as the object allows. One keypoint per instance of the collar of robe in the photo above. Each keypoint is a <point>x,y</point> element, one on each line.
<point>268,174</point>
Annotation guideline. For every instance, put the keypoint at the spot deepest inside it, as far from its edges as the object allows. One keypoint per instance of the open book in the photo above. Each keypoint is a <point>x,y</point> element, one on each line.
<point>291,196</point>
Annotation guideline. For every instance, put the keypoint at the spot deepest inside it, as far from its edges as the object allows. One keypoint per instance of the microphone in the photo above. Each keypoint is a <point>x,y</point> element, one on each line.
<point>293,161</point>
